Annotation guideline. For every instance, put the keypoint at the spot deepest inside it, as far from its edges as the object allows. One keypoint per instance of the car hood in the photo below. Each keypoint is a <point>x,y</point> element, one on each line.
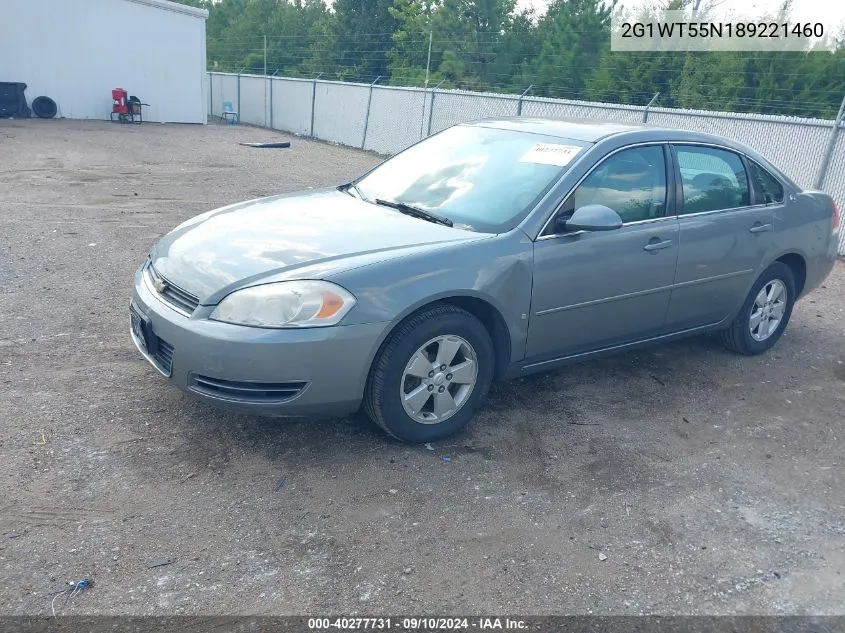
<point>307,235</point>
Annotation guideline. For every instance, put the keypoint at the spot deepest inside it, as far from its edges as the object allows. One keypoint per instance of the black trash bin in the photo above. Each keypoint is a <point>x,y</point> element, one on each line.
<point>13,101</point>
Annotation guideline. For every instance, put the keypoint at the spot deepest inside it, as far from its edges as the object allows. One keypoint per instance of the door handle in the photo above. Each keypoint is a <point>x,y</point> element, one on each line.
<point>656,246</point>
<point>760,228</point>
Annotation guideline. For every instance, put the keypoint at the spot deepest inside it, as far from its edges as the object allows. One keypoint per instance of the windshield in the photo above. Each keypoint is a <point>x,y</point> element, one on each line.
<point>485,179</point>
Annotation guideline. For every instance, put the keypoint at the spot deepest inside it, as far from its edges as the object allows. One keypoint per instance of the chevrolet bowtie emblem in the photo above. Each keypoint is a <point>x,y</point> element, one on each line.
<point>160,286</point>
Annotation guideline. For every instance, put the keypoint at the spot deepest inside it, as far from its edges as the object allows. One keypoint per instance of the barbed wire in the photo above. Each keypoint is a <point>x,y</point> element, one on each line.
<point>244,48</point>
<point>520,72</point>
<point>587,96</point>
<point>419,35</point>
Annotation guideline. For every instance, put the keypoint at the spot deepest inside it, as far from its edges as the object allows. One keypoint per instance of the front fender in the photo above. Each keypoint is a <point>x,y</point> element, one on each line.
<point>497,270</point>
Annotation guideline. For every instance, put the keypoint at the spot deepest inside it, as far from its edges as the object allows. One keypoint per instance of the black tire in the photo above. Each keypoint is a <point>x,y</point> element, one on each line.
<point>738,336</point>
<point>382,402</point>
<point>44,107</point>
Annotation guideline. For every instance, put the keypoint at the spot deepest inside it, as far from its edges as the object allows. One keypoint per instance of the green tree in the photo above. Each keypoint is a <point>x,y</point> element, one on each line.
<point>363,36</point>
<point>299,36</point>
<point>408,55</point>
<point>634,77</point>
<point>476,44</point>
<point>574,34</point>
<point>490,45</point>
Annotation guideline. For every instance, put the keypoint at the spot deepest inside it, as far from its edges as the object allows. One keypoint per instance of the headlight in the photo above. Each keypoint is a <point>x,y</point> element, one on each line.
<point>286,304</point>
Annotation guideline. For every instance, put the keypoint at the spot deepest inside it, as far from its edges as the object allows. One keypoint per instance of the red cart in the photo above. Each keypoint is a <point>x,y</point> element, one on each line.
<point>127,108</point>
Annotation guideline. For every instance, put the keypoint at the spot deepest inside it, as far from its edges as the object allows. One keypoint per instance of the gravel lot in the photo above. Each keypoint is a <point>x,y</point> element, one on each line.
<point>679,479</point>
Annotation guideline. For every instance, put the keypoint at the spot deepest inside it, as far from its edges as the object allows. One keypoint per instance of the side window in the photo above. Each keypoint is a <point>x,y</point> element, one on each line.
<point>712,179</point>
<point>767,189</point>
<point>632,182</point>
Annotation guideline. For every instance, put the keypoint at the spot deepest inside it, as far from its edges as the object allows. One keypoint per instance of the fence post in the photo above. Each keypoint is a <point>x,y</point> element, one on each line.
<point>431,106</point>
<point>521,97</point>
<point>275,72</point>
<point>210,95</point>
<point>367,117</point>
<point>831,145</point>
<point>648,105</point>
<point>313,101</point>
<point>430,112</point>
<point>240,113</point>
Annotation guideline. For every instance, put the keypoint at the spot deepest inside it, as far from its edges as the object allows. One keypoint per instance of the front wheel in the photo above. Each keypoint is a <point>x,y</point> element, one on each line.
<point>430,375</point>
<point>765,313</point>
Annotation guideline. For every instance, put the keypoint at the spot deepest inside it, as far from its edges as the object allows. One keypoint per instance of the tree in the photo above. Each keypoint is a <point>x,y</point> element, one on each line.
<point>408,55</point>
<point>490,45</point>
<point>472,34</point>
<point>476,44</point>
<point>623,77</point>
<point>363,36</point>
<point>299,36</point>
<point>573,35</point>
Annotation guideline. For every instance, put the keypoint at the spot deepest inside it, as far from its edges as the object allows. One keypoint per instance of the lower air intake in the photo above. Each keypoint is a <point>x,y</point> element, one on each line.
<point>239,391</point>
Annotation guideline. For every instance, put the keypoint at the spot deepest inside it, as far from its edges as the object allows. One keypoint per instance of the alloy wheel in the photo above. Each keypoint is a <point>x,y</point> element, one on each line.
<point>438,379</point>
<point>768,310</point>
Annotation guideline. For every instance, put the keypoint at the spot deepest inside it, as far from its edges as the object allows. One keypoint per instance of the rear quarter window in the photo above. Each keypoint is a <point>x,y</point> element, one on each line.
<point>767,188</point>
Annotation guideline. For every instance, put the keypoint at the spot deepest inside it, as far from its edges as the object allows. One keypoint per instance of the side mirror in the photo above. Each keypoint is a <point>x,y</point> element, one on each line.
<point>593,217</point>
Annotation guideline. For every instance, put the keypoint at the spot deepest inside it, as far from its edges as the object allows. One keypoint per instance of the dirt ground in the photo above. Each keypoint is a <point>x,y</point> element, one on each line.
<point>676,480</point>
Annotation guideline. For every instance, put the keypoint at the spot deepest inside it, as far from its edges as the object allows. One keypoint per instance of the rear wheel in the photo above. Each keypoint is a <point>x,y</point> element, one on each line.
<point>430,375</point>
<point>765,313</point>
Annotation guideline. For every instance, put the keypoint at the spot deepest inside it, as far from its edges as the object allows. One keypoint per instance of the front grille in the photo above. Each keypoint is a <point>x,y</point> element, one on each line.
<point>174,295</point>
<point>164,355</point>
<point>258,392</point>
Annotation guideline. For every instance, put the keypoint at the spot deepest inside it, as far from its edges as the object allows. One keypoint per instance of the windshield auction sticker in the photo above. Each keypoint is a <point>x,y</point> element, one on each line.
<point>550,154</point>
<point>717,29</point>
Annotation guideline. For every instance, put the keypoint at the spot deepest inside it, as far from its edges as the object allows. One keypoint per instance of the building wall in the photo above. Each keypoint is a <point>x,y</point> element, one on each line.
<point>76,52</point>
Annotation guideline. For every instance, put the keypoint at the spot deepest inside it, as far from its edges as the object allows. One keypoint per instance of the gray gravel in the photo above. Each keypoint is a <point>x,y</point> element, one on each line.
<point>678,479</point>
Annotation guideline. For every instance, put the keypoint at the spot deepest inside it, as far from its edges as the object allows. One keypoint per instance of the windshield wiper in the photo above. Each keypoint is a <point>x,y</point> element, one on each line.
<point>416,212</point>
<point>350,187</point>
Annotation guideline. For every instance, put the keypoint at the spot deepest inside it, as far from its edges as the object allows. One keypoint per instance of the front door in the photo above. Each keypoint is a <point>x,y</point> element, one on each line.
<point>594,290</point>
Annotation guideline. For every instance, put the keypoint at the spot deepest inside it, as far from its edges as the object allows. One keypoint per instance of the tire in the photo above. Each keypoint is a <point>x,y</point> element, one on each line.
<point>420,339</point>
<point>44,107</point>
<point>739,336</point>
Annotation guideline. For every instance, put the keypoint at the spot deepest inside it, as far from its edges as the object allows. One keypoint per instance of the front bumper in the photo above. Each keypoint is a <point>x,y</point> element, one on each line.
<point>285,372</point>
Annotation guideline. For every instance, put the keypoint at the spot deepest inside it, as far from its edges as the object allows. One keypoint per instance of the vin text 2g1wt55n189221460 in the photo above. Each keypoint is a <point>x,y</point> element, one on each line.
<point>484,252</point>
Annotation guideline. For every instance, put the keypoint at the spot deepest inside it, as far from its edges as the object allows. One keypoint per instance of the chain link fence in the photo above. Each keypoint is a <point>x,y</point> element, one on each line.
<point>387,119</point>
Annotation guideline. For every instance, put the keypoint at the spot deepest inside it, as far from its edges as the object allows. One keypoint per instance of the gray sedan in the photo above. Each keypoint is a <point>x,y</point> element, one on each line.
<point>488,251</point>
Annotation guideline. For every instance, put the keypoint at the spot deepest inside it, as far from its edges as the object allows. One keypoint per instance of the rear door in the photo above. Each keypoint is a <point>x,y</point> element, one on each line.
<point>725,235</point>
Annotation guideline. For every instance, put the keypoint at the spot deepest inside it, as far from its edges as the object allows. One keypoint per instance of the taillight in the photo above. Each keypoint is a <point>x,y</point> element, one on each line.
<point>835,215</point>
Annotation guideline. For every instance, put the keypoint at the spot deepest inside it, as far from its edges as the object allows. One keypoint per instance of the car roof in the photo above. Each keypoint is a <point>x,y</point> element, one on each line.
<point>592,131</point>
<point>576,129</point>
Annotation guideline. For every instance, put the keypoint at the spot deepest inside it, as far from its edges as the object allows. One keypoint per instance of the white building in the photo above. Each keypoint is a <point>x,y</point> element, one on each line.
<point>77,51</point>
